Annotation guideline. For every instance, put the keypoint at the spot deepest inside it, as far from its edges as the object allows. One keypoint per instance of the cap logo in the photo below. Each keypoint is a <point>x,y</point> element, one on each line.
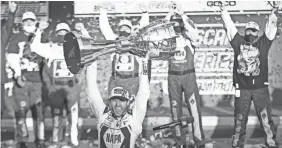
<point>119,91</point>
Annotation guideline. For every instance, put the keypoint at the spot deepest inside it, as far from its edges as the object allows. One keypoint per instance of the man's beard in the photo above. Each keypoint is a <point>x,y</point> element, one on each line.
<point>29,29</point>
<point>251,38</point>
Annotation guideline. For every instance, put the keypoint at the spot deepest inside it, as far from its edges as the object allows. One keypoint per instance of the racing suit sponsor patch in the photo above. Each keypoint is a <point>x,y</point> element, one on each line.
<point>60,69</point>
<point>113,137</point>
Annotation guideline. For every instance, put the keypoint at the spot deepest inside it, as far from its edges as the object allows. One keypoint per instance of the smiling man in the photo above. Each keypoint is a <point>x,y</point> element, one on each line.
<point>118,125</point>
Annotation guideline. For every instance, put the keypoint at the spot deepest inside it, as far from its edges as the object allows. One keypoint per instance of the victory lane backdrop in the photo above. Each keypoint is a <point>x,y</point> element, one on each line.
<point>213,58</point>
<point>213,62</point>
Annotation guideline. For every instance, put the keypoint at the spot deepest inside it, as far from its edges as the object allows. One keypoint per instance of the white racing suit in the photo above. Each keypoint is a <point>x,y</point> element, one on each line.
<point>117,132</point>
<point>125,66</point>
<point>182,79</point>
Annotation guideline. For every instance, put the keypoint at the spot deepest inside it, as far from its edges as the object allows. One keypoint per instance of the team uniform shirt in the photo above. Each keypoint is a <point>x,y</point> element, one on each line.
<point>118,133</point>
<point>57,65</point>
<point>124,64</point>
<point>30,69</point>
<point>54,54</point>
<point>184,59</point>
<point>59,70</point>
<point>250,69</point>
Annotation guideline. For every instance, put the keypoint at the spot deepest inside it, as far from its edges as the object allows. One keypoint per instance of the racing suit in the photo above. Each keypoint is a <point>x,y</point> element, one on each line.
<point>125,66</point>
<point>250,78</point>
<point>30,95</point>
<point>63,89</point>
<point>182,78</point>
<point>116,132</point>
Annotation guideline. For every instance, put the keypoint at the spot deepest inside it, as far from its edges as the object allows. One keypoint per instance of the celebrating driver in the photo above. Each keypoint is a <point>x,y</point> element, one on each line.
<point>118,125</point>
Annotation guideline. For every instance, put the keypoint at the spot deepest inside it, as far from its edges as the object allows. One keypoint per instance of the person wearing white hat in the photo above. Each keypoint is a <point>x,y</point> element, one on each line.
<point>29,81</point>
<point>125,66</point>
<point>250,76</point>
<point>63,87</point>
<point>29,22</point>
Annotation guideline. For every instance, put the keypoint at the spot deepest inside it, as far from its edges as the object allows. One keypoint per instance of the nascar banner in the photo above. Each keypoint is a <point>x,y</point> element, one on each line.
<point>213,57</point>
<point>92,7</point>
<point>39,8</point>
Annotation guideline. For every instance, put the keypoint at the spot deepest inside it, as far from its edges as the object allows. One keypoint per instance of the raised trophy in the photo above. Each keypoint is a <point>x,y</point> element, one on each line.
<point>159,35</point>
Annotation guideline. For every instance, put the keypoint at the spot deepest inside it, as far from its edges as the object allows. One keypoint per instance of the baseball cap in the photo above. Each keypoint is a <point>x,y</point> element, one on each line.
<point>119,93</point>
<point>252,25</point>
<point>62,26</point>
<point>28,15</point>
<point>125,22</point>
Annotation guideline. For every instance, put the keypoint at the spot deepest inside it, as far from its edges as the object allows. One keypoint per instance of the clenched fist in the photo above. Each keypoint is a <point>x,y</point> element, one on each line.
<point>12,7</point>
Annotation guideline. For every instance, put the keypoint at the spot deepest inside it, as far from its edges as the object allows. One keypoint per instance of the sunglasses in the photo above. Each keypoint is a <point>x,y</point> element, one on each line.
<point>251,31</point>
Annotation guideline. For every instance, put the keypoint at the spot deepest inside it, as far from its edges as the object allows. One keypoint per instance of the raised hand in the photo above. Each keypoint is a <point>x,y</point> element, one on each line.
<point>12,7</point>
<point>172,7</point>
<point>275,4</point>
<point>178,9</point>
<point>222,7</point>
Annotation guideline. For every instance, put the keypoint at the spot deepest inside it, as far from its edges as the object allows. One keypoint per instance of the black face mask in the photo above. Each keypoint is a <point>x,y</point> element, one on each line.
<point>177,29</point>
<point>124,34</point>
<point>180,28</point>
<point>251,38</point>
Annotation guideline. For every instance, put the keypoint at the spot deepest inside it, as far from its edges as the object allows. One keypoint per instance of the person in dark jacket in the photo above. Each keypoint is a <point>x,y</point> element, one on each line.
<point>250,76</point>
<point>6,31</point>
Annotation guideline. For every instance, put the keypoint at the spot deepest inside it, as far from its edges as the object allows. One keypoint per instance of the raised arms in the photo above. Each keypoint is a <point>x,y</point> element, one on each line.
<point>229,24</point>
<point>93,94</point>
<point>271,25</point>
<point>105,25</point>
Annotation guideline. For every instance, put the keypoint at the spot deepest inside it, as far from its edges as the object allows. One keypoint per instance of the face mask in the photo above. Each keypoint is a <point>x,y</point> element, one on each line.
<point>29,29</point>
<point>250,38</point>
<point>180,27</point>
<point>124,34</point>
<point>61,38</point>
<point>177,29</point>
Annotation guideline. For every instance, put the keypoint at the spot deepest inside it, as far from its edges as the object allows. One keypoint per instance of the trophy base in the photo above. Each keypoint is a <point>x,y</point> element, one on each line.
<point>72,52</point>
